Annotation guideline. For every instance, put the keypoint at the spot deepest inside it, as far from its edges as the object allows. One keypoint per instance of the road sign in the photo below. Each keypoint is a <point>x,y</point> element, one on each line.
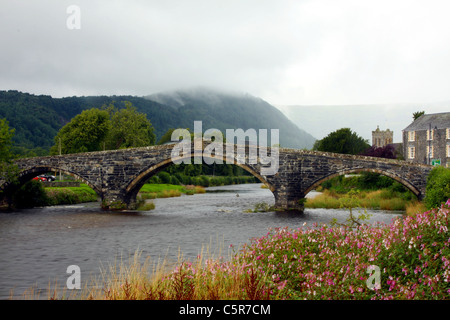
<point>436,162</point>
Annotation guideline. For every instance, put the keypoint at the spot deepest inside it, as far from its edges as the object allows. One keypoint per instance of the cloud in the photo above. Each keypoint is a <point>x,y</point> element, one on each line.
<point>287,52</point>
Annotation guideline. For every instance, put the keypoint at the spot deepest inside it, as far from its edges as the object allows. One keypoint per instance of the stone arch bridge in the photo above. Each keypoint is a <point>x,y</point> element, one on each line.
<point>117,175</point>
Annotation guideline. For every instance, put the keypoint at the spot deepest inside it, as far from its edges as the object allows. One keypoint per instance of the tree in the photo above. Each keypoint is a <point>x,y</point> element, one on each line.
<point>105,129</point>
<point>129,128</point>
<point>388,151</point>
<point>85,132</point>
<point>438,187</point>
<point>417,115</point>
<point>6,135</point>
<point>342,141</point>
<point>8,171</point>
<point>167,137</point>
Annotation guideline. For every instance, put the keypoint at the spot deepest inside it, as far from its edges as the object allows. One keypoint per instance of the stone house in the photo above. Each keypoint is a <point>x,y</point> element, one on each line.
<point>427,139</point>
<point>381,138</point>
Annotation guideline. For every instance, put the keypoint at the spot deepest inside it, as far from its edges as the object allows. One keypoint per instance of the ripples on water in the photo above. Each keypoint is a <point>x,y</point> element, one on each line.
<point>37,245</point>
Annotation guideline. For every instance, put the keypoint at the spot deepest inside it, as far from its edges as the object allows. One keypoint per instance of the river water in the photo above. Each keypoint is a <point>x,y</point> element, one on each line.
<point>37,245</point>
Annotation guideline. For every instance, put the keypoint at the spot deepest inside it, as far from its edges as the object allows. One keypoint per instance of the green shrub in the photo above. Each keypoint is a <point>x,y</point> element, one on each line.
<point>164,176</point>
<point>31,194</point>
<point>438,187</point>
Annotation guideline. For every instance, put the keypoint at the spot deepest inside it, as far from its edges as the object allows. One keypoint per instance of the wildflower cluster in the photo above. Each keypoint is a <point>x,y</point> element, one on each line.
<point>331,263</point>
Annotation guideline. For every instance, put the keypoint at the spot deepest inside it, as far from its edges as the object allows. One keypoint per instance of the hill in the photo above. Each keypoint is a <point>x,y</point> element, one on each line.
<point>229,110</point>
<point>38,118</point>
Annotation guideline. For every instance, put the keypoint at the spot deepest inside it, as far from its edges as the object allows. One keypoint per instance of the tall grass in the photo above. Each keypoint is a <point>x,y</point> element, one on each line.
<point>380,199</point>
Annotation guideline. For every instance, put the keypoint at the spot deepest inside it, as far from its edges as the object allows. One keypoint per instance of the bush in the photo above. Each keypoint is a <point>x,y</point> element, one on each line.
<point>164,177</point>
<point>438,187</point>
<point>31,194</point>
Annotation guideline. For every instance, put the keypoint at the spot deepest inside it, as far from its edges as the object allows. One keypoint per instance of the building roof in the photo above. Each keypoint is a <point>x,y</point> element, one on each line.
<point>437,120</point>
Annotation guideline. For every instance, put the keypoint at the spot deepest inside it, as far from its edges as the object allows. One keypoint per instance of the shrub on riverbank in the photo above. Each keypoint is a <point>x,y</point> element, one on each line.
<point>31,194</point>
<point>438,187</point>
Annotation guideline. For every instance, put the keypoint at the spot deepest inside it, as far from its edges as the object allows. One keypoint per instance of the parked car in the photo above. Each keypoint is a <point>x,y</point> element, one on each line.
<point>45,177</point>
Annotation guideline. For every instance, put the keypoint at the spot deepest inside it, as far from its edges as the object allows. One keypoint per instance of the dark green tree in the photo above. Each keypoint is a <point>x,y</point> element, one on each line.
<point>129,128</point>
<point>85,132</point>
<point>342,141</point>
<point>438,187</point>
<point>8,171</point>
<point>417,114</point>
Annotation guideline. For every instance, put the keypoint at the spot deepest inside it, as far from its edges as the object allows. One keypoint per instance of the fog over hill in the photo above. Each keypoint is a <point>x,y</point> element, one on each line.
<point>37,118</point>
<point>230,110</point>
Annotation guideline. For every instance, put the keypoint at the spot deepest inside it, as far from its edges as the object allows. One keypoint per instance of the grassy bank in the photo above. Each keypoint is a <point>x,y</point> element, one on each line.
<point>319,262</point>
<point>70,195</point>
<point>73,195</point>
<point>385,199</point>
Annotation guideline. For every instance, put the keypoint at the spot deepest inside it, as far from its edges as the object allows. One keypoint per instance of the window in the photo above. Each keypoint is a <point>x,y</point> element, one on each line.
<point>411,152</point>
<point>447,133</point>
<point>430,151</point>
<point>430,134</point>
<point>411,135</point>
<point>448,150</point>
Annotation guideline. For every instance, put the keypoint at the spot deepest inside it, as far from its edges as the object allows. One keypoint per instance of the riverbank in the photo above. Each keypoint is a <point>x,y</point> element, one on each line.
<point>403,260</point>
<point>384,199</point>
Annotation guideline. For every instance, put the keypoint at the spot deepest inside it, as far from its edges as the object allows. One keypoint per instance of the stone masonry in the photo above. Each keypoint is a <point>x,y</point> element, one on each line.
<point>117,176</point>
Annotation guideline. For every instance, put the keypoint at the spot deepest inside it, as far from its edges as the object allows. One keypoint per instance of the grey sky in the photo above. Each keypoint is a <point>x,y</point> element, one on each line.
<point>286,52</point>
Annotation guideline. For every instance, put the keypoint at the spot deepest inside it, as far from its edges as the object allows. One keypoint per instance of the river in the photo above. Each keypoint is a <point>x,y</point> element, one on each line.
<point>37,245</point>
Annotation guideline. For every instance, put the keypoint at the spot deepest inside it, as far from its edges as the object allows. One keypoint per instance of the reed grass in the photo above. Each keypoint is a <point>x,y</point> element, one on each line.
<point>379,199</point>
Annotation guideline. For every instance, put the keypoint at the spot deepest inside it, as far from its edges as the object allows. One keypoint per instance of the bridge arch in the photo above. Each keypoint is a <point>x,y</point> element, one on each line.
<point>29,173</point>
<point>137,183</point>
<point>391,175</point>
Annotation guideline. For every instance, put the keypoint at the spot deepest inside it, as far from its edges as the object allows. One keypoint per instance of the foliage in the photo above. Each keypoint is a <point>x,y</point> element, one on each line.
<point>31,194</point>
<point>418,114</point>
<point>365,181</point>
<point>388,151</point>
<point>85,132</point>
<point>383,199</point>
<point>105,129</point>
<point>70,195</point>
<point>129,128</point>
<point>331,263</point>
<point>342,141</point>
<point>438,187</point>
<point>8,171</point>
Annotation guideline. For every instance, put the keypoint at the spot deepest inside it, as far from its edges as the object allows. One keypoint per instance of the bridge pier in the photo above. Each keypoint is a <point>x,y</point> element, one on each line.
<point>289,201</point>
<point>117,201</point>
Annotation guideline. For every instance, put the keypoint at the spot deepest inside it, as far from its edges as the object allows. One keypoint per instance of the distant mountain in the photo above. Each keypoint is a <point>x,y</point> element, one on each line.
<point>38,118</point>
<point>230,110</point>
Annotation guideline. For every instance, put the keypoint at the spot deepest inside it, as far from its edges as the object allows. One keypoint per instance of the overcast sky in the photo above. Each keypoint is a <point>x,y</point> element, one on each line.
<point>311,52</point>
